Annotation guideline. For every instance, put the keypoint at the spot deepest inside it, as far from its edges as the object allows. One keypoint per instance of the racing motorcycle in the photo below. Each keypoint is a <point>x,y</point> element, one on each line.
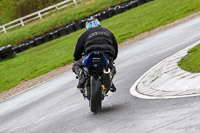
<point>98,79</point>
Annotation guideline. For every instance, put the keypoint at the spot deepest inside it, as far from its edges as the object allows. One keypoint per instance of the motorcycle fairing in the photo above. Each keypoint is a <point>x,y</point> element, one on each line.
<point>96,60</point>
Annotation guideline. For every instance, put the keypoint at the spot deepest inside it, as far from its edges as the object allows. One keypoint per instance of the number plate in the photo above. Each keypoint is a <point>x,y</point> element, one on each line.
<point>96,60</point>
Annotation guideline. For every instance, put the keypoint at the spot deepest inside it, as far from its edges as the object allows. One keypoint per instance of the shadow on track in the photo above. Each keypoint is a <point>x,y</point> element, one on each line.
<point>110,109</point>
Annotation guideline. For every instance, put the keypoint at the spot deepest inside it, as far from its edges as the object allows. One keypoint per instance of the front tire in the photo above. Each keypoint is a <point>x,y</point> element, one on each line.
<point>95,94</point>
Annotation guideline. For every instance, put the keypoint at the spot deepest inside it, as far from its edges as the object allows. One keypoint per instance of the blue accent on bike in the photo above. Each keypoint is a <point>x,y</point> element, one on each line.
<point>96,60</point>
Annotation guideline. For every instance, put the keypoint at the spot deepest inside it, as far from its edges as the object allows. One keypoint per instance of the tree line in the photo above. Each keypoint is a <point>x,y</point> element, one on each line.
<point>13,9</point>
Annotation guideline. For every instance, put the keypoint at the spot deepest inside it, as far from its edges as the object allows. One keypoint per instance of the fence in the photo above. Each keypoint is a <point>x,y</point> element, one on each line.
<point>37,15</point>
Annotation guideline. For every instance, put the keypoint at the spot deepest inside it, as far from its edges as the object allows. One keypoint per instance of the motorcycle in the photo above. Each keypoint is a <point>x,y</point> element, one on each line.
<point>98,79</point>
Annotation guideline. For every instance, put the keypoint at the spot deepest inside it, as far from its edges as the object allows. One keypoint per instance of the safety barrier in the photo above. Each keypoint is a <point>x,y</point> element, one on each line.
<point>8,51</point>
<point>37,15</point>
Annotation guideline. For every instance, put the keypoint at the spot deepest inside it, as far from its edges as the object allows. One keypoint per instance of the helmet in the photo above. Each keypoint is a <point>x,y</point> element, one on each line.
<point>92,22</point>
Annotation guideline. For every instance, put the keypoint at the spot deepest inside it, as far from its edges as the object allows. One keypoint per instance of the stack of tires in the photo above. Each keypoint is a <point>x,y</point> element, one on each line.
<point>6,52</point>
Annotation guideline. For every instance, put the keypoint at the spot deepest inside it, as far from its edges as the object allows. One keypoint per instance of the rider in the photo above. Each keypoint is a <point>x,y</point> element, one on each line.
<point>96,38</point>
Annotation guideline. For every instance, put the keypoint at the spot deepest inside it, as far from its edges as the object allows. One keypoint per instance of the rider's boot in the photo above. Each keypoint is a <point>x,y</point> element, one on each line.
<point>81,83</point>
<point>113,88</point>
<point>80,75</point>
<point>113,72</point>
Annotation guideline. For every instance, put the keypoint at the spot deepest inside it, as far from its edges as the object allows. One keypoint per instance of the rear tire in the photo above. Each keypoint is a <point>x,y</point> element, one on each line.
<point>95,93</point>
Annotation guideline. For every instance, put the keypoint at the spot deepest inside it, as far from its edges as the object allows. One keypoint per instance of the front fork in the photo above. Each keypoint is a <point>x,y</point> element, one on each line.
<point>106,81</point>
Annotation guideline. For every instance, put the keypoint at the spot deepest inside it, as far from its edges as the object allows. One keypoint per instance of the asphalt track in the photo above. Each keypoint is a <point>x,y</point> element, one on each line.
<point>57,107</point>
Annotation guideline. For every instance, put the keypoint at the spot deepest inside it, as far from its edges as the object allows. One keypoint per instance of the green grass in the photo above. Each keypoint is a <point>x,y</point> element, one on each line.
<point>84,9</point>
<point>36,61</point>
<point>48,56</point>
<point>191,62</point>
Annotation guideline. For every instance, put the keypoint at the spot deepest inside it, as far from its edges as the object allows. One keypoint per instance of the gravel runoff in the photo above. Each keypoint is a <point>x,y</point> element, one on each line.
<point>168,80</point>
<point>54,73</point>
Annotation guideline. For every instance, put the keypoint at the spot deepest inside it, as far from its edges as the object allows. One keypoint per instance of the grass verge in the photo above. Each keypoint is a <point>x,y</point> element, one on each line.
<point>191,62</point>
<point>44,58</point>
